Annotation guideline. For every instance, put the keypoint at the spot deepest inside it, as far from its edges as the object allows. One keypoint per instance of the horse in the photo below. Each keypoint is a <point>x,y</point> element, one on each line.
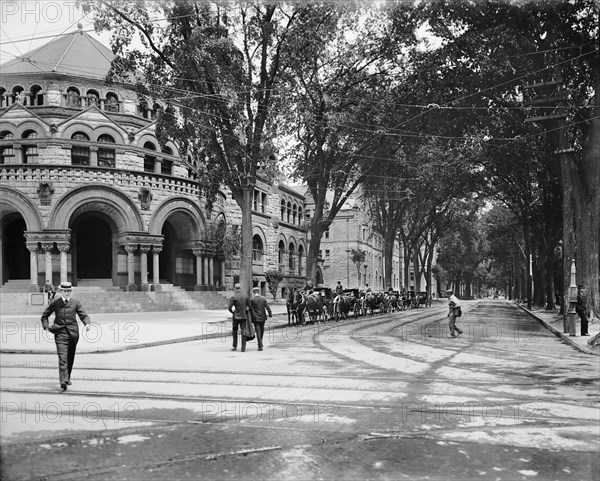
<point>293,303</point>
<point>341,306</point>
<point>315,308</point>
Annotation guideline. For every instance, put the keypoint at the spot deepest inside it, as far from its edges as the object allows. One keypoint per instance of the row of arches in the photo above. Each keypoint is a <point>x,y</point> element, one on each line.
<point>77,97</point>
<point>291,211</point>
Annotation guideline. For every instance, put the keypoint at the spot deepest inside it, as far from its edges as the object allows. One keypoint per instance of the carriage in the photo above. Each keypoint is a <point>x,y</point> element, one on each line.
<point>348,300</point>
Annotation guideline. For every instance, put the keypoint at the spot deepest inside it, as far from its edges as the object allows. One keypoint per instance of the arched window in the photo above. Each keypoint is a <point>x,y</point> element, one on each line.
<point>292,259</point>
<point>80,154</point>
<point>112,103</point>
<point>149,159</point>
<point>72,97</point>
<point>281,251</point>
<point>92,97</point>
<point>257,249</point>
<point>36,95</point>
<point>7,153</point>
<point>156,110</point>
<point>106,156</point>
<point>17,95</point>
<point>30,151</point>
<point>300,259</point>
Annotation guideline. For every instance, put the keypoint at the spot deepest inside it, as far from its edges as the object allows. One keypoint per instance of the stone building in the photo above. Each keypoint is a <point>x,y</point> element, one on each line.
<point>88,195</point>
<point>351,229</point>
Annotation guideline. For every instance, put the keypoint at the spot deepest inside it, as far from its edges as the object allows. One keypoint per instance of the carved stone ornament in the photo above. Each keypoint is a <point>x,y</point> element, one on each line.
<point>145,197</point>
<point>45,191</point>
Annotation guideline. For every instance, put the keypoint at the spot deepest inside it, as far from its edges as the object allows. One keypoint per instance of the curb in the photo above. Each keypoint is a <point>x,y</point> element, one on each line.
<point>144,345</point>
<point>560,334</point>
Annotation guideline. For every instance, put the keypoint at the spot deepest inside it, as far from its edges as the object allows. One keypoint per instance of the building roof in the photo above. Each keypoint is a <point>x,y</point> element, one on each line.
<point>74,53</point>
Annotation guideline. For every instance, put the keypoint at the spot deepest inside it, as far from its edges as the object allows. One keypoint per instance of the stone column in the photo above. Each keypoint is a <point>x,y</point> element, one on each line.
<point>18,150</point>
<point>131,286</point>
<point>93,156</point>
<point>33,267</point>
<point>155,274</point>
<point>198,254</point>
<point>205,271</point>
<point>63,248</point>
<point>144,267</point>
<point>222,272</point>
<point>48,257</point>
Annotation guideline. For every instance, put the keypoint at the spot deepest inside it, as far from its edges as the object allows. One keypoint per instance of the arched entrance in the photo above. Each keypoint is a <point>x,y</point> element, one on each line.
<point>319,277</point>
<point>92,241</point>
<point>15,261</point>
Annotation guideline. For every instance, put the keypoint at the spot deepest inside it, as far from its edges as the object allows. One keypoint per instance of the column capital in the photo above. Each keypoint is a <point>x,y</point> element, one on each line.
<point>63,247</point>
<point>32,246</point>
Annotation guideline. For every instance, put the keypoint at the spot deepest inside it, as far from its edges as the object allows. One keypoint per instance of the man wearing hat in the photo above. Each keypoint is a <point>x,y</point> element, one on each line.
<point>581,309</point>
<point>454,309</point>
<point>65,329</point>
<point>260,307</point>
<point>239,306</point>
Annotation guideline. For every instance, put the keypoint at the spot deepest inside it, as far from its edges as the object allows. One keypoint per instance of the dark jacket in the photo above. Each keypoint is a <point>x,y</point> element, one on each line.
<point>65,319</point>
<point>241,302</point>
<point>260,307</point>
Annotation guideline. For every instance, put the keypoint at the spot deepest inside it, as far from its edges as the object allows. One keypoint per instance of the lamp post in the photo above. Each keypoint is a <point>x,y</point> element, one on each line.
<point>572,301</point>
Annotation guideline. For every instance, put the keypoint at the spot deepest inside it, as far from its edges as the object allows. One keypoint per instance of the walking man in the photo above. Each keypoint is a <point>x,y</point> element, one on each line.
<point>239,306</point>
<point>65,330</point>
<point>260,307</point>
<point>453,312</point>
<point>581,309</point>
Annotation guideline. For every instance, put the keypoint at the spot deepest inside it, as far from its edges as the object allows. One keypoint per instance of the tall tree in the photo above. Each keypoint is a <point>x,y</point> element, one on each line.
<point>218,64</point>
<point>340,88</point>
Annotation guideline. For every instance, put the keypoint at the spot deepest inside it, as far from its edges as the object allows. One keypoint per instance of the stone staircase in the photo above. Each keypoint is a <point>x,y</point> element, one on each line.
<point>99,296</point>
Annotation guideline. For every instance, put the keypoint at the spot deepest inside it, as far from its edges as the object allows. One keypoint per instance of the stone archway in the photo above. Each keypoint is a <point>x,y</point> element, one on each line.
<point>93,249</point>
<point>15,256</point>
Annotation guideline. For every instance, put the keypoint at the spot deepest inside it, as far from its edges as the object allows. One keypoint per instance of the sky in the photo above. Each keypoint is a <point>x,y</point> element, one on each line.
<point>28,24</point>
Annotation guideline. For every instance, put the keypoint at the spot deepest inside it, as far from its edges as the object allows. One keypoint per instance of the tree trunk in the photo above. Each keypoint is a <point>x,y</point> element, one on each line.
<point>245,204</point>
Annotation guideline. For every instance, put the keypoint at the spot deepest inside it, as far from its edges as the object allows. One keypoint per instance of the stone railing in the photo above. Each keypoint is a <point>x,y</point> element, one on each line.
<point>25,173</point>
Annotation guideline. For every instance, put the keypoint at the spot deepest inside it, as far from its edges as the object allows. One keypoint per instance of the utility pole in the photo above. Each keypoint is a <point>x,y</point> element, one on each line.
<point>545,100</point>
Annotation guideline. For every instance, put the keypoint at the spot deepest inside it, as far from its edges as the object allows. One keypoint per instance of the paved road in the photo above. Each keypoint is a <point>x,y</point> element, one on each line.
<point>386,397</point>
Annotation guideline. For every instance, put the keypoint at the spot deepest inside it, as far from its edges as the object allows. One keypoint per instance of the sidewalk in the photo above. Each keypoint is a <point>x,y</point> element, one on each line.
<point>113,332</point>
<point>553,321</point>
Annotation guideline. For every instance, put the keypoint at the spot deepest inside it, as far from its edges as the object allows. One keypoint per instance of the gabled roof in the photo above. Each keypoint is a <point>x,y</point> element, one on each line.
<point>74,53</point>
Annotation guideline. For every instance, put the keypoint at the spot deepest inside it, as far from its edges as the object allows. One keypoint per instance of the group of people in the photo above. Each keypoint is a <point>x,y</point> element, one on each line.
<point>249,316</point>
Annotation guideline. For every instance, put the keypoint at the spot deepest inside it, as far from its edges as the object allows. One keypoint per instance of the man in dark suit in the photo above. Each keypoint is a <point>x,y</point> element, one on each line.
<point>260,307</point>
<point>239,306</point>
<point>65,329</point>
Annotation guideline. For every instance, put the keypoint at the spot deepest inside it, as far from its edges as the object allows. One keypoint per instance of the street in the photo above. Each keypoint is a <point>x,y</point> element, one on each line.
<point>383,397</point>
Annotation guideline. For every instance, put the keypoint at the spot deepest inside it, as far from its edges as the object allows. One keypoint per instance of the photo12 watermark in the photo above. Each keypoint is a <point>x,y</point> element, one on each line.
<point>69,412</point>
<point>32,12</point>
